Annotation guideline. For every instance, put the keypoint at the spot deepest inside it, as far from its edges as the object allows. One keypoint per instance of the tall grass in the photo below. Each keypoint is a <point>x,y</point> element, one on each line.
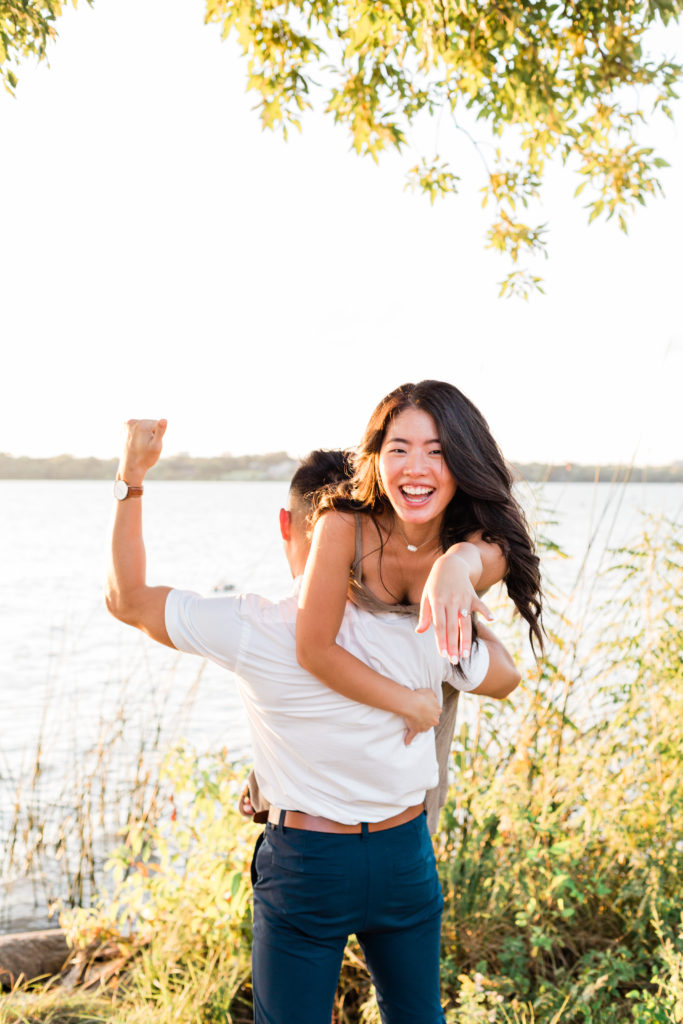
<point>560,852</point>
<point>60,823</point>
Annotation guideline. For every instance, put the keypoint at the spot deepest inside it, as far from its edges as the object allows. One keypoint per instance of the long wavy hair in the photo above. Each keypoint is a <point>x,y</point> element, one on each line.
<point>483,500</point>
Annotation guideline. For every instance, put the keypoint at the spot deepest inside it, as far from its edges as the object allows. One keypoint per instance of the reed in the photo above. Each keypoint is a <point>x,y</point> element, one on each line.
<point>562,848</point>
<point>53,1006</point>
<point>63,822</point>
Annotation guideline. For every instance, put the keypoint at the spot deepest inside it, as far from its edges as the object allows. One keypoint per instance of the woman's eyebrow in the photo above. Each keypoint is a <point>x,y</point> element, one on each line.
<point>402,440</point>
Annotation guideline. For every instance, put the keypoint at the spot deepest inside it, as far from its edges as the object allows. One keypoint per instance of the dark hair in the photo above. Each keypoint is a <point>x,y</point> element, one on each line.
<point>321,471</point>
<point>483,500</point>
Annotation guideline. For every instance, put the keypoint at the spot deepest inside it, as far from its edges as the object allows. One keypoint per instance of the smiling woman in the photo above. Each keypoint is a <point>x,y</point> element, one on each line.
<point>425,524</point>
<point>428,518</point>
<point>415,477</point>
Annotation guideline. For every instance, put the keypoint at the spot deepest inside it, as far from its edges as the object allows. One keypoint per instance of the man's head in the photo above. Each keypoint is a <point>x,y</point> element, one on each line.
<point>319,470</point>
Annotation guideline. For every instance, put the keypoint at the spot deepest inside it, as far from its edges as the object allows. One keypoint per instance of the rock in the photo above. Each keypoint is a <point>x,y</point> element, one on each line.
<point>31,955</point>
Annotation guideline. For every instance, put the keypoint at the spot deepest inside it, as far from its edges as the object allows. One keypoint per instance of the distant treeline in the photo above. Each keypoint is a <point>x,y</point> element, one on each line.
<point>274,466</point>
<point>539,472</point>
<point>280,466</point>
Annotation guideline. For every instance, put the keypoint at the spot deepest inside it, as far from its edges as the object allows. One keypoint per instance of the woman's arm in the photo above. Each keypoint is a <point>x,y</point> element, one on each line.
<point>450,594</point>
<point>321,610</point>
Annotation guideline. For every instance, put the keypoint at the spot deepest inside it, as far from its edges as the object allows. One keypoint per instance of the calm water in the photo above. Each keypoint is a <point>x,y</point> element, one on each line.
<point>67,668</point>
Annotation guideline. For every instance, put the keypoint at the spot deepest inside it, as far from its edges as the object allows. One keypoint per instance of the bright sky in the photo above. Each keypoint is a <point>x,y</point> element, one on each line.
<point>162,256</point>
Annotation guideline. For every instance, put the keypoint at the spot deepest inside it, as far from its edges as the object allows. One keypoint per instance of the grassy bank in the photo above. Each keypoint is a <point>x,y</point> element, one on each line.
<point>560,854</point>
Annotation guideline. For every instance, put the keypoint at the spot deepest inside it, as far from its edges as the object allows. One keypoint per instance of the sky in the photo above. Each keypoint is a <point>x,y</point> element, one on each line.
<point>163,256</point>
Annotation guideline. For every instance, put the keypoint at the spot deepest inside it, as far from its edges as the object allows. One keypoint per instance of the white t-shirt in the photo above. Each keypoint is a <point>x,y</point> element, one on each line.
<point>314,750</point>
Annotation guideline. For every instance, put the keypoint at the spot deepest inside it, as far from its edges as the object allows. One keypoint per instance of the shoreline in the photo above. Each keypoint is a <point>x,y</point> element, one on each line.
<point>279,466</point>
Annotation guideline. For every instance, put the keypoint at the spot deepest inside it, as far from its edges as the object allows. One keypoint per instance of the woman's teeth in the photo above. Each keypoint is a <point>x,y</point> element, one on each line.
<point>416,495</point>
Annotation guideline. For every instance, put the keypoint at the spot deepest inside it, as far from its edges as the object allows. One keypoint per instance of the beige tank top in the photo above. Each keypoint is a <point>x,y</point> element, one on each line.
<point>359,593</point>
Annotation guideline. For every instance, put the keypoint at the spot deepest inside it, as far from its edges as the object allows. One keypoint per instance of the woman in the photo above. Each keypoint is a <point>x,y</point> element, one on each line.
<point>428,520</point>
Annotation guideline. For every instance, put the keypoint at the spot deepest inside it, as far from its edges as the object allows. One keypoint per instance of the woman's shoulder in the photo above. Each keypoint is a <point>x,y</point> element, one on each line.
<point>352,530</point>
<point>338,515</point>
<point>336,525</point>
<point>348,511</point>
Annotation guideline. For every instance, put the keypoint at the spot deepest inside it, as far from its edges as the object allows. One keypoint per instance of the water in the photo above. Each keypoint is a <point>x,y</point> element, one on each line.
<point>69,671</point>
<point>57,635</point>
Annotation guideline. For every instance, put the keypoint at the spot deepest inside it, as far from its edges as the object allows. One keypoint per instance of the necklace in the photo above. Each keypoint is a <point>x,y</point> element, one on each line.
<point>414,547</point>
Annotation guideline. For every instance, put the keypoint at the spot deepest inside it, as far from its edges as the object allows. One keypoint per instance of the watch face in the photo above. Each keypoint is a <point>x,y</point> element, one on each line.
<point>120,489</point>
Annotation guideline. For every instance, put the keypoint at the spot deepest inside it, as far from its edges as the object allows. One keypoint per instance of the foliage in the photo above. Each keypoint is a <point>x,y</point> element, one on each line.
<point>181,900</point>
<point>52,1006</point>
<point>572,81</point>
<point>665,1004</point>
<point>562,852</point>
<point>26,28</point>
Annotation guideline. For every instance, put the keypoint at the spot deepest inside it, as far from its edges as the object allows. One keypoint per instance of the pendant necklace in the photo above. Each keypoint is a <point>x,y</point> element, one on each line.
<point>413,547</point>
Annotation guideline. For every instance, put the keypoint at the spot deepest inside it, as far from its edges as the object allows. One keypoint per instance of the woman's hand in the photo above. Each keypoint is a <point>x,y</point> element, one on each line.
<point>449,598</point>
<point>423,712</point>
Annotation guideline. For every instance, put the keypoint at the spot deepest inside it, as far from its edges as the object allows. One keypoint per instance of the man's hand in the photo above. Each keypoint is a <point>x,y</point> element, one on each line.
<point>141,449</point>
<point>245,806</point>
<point>423,714</point>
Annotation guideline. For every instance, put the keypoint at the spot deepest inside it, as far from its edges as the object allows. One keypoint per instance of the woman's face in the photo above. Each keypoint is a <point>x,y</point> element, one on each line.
<point>414,475</point>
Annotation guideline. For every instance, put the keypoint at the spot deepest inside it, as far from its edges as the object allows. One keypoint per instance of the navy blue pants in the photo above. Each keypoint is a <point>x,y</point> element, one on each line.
<point>313,890</point>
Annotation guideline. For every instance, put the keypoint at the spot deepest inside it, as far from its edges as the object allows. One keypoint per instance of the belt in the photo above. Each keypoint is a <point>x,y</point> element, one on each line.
<point>311,823</point>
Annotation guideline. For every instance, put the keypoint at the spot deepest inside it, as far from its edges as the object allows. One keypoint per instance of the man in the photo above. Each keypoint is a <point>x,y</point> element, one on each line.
<point>346,849</point>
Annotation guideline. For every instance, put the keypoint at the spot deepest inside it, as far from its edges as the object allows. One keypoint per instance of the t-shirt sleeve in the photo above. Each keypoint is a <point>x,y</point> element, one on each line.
<point>474,669</point>
<point>208,626</point>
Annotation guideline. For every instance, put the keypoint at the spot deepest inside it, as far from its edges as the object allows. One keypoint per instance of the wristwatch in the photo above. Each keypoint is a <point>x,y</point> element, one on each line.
<point>122,490</point>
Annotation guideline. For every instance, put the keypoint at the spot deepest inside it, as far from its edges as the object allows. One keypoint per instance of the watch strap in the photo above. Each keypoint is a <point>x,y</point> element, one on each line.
<point>130,491</point>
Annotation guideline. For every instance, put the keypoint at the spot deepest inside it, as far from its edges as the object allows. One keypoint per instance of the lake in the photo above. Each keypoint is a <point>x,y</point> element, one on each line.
<point>73,678</point>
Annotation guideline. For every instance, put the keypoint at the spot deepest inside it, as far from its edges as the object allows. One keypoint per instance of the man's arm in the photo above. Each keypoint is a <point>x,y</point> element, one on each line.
<point>502,676</point>
<point>127,595</point>
<point>500,680</point>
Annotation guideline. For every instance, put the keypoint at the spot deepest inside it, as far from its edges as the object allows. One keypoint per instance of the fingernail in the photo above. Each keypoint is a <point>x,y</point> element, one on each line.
<point>454,660</point>
<point>444,653</point>
<point>465,653</point>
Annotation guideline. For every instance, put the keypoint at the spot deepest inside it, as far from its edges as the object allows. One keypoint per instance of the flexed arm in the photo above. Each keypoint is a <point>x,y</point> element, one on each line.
<point>321,609</point>
<point>127,595</point>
